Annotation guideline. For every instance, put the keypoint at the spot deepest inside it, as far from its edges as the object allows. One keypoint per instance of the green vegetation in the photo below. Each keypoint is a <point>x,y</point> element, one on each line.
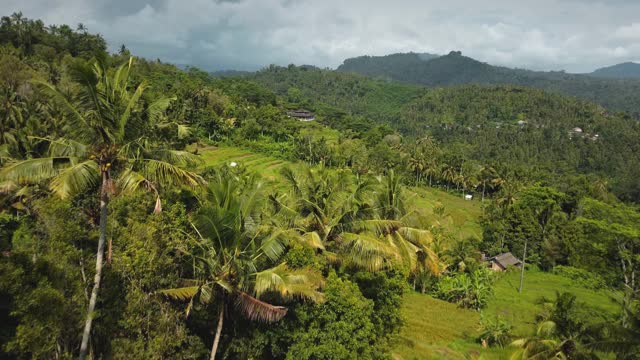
<point>439,330</point>
<point>456,69</point>
<point>220,227</point>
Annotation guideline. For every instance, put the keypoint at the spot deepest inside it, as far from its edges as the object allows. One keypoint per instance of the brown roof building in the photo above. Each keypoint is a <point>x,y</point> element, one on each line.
<point>500,262</point>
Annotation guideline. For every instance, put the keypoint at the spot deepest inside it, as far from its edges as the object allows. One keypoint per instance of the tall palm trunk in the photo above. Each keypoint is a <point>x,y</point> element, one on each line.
<point>104,201</point>
<point>216,340</point>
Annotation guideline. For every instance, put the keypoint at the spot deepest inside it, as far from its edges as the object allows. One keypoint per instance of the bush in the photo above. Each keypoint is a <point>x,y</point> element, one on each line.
<point>582,277</point>
<point>495,331</point>
<point>468,290</point>
<point>339,328</point>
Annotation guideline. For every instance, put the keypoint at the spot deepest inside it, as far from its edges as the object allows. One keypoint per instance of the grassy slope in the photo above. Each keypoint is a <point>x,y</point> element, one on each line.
<point>520,309</point>
<point>264,165</point>
<point>439,330</point>
<point>462,215</point>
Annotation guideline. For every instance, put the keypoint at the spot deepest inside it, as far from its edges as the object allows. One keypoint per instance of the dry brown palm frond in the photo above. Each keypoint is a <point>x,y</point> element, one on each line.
<point>257,310</point>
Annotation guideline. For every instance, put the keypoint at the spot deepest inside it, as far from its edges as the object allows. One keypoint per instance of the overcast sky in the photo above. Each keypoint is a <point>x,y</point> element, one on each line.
<point>574,35</point>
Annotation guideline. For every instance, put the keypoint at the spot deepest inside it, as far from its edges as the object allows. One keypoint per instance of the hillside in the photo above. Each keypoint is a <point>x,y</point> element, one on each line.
<point>223,225</point>
<point>337,94</point>
<point>436,329</point>
<point>456,69</point>
<point>524,130</point>
<point>627,70</point>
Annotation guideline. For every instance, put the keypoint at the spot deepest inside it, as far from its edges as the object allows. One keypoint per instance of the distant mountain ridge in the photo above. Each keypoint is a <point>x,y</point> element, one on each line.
<point>457,69</point>
<point>626,70</point>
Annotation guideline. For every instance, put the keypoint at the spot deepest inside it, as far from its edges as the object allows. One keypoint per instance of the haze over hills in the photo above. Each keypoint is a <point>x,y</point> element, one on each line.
<point>627,70</point>
<point>457,69</point>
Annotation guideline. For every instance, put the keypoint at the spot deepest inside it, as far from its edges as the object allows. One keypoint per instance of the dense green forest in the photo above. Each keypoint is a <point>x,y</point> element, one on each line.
<point>617,94</point>
<point>524,132</point>
<point>121,239</point>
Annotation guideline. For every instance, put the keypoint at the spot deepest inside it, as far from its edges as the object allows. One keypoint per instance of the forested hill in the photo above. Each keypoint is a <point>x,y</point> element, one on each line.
<point>527,130</point>
<point>619,71</point>
<point>338,93</point>
<point>456,69</point>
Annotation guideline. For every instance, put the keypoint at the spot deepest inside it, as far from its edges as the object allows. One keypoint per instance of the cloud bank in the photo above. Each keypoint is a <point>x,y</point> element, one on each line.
<point>572,35</point>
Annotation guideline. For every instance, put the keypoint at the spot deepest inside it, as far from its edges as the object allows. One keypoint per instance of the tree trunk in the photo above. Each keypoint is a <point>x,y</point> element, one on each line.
<point>104,200</point>
<point>483,188</point>
<point>216,340</point>
<point>524,257</point>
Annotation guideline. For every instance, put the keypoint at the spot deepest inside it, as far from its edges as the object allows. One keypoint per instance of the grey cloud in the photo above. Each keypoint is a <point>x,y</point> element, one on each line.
<point>576,35</point>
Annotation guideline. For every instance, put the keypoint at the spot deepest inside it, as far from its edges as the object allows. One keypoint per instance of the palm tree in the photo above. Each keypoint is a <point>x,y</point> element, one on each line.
<point>390,200</point>
<point>107,123</point>
<point>449,175</point>
<point>358,224</point>
<point>432,170</point>
<point>415,247</point>
<point>11,118</point>
<point>334,216</point>
<point>560,333</point>
<point>487,174</point>
<point>416,164</point>
<point>232,255</point>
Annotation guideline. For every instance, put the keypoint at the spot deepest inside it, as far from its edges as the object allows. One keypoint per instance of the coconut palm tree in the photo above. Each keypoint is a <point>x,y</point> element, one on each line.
<point>335,216</point>
<point>559,334</point>
<point>487,175</point>
<point>11,117</point>
<point>358,224</point>
<point>108,145</point>
<point>416,164</point>
<point>236,259</point>
<point>449,175</point>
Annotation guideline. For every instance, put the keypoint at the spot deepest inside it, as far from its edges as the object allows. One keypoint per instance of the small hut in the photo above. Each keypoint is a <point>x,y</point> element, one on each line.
<point>302,115</point>
<point>502,261</point>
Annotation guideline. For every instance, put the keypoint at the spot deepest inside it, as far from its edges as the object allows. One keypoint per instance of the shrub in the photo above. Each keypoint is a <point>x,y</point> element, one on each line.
<point>495,331</point>
<point>468,290</point>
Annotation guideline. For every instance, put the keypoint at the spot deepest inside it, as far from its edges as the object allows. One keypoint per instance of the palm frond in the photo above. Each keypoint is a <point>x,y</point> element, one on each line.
<point>33,170</point>
<point>8,187</point>
<point>257,310</point>
<point>133,101</point>
<point>158,108</point>
<point>63,147</point>
<point>365,251</point>
<point>184,131</point>
<point>130,181</point>
<point>546,328</point>
<point>416,236</point>
<point>157,209</point>
<point>75,179</point>
<point>376,226</point>
<point>182,293</point>
<point>311,239</point>
<point>176,157</point>
<point>274,245</point>
<point>280,207</point>
<point>290,177</point>
<point>164,173</point>
<point>69,108</point>
<point>289,283</point>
